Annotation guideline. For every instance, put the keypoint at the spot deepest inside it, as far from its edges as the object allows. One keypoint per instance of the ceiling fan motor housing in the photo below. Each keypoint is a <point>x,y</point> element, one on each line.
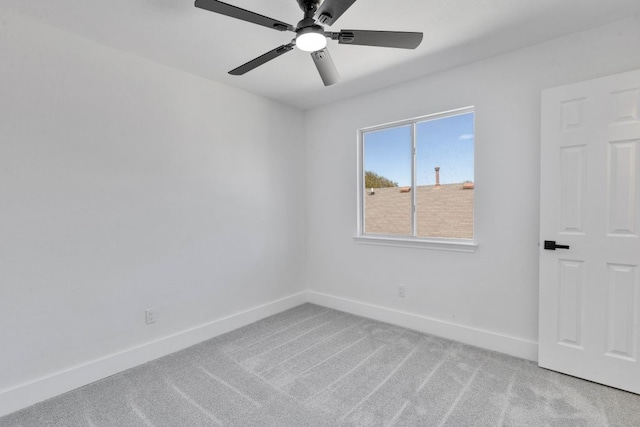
<point>307,5</point>
<point>305,29</point>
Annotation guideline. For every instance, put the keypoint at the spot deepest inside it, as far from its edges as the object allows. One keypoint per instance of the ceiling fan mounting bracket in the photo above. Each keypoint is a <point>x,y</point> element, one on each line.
<point>343,36</point>
<point>324,17</point>
<point>282,49</point>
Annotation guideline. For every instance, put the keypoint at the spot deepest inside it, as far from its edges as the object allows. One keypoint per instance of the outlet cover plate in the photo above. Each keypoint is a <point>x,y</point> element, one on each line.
<point>150,315</point>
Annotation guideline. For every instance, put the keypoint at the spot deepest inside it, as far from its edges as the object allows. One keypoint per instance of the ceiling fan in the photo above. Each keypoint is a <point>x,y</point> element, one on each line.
<point>310,34</point>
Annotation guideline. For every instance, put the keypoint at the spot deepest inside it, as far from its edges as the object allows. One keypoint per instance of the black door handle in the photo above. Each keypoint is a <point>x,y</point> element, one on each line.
<point>551,245</point>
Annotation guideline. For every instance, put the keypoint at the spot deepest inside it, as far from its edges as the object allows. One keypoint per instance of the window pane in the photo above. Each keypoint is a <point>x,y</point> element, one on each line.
<point>387,166</point>
<point>444,164</point>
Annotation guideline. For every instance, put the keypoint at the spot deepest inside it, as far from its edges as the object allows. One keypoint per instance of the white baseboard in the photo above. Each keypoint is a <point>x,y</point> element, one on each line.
<point>513,346</point>
<point>27,394</point>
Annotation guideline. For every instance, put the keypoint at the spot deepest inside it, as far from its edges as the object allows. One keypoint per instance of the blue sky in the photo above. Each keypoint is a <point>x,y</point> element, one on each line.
<point>446,142</point>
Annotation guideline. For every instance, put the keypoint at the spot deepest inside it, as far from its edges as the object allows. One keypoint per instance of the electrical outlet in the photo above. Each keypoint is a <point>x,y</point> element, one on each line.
<point>402,291</point>
<point>150,315</point>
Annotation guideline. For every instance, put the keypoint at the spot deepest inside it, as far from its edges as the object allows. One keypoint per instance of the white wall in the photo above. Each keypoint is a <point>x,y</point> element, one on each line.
<point>126,185</point>
<point>490,297</point>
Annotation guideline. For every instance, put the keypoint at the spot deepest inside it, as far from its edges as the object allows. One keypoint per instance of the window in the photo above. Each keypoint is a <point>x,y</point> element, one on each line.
<point>416,180</point>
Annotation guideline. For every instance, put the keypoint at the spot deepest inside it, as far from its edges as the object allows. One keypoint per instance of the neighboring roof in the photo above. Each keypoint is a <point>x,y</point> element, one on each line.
<point>444,211</point>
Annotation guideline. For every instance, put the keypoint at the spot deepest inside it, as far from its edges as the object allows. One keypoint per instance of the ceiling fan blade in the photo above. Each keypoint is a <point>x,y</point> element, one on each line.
<point>325,66</point>
<point>331,10</point>
<point>399,39</point>
<point>254,63</point>
<point>245,15</point>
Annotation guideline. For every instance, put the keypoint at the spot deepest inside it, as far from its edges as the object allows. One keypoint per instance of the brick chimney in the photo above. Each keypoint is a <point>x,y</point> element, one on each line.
<point>437,176</point>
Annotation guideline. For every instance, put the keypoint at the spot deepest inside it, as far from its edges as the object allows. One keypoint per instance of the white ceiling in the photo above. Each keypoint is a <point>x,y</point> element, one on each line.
<point>177,34</point>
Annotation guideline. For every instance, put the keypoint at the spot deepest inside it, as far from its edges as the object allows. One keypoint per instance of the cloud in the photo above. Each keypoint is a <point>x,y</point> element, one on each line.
<point>466,136</point>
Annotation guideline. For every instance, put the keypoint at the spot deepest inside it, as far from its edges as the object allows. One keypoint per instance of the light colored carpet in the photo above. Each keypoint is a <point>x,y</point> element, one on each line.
<point>313,366</point>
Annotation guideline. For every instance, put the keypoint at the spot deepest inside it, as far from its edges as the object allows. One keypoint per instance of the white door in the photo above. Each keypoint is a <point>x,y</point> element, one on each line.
<point>590,201</point>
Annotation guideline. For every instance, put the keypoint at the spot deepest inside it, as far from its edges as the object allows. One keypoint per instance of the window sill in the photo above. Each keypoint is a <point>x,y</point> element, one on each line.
<point>453,245</point>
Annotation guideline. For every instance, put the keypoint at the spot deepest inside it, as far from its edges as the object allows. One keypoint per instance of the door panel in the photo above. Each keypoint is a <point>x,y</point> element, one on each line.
<point>622,203</point>
<point>573,180</point>
<point>622,326</point>
<point>590,201</point>
<point>570,312</point>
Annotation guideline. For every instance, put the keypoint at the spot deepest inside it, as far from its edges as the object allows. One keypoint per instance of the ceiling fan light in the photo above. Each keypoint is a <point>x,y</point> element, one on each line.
<point>311,41</point>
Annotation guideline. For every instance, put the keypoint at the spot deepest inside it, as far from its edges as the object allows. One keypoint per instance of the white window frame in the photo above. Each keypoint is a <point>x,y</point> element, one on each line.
<point>448,244</point>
